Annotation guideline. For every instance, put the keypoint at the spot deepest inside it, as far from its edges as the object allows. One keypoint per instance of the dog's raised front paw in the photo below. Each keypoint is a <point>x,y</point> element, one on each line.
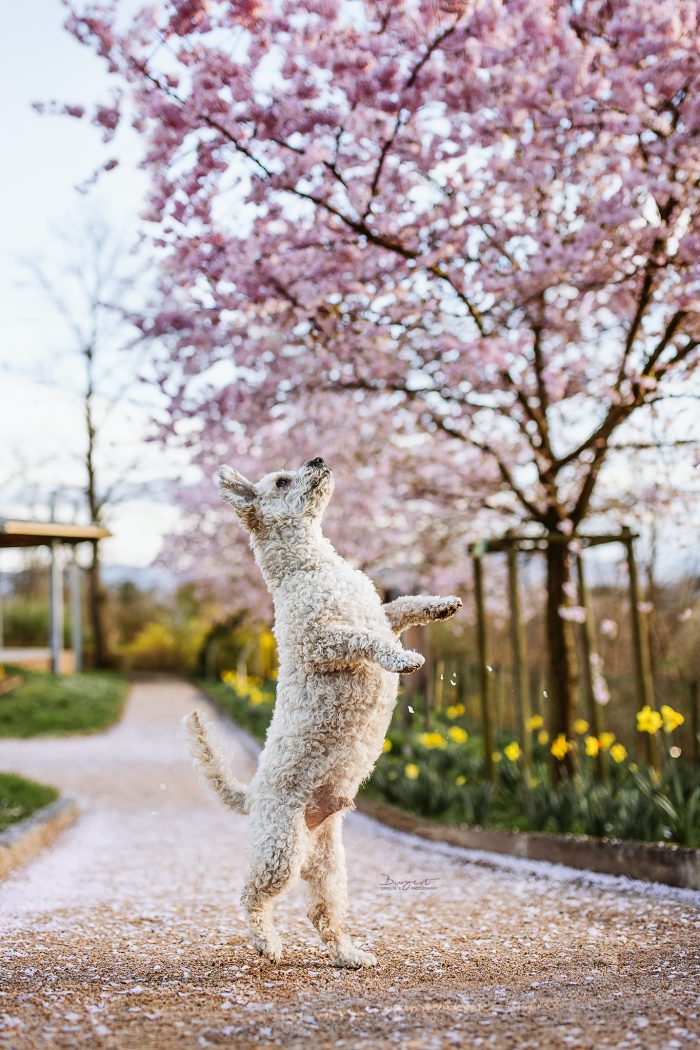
<point>353,958</point>
<point>227,477</point>
<point>411,661</point>
<point>404,662</point>
<point>449,606</point>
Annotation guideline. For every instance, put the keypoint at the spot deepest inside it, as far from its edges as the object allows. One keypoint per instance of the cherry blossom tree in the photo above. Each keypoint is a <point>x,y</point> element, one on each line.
<point>467,228</point>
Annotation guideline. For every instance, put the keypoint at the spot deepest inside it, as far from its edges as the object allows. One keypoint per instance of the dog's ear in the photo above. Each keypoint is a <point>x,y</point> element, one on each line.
<point>239,492</point>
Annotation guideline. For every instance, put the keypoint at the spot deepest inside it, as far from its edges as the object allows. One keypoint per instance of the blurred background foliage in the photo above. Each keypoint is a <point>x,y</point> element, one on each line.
<point>186,631</point>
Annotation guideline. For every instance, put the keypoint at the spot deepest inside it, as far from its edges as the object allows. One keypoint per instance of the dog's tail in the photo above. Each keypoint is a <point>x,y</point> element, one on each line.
<point>212,765</point>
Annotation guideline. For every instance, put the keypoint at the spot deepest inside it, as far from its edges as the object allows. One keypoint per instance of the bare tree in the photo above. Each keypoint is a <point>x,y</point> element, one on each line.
<point>90,292</point>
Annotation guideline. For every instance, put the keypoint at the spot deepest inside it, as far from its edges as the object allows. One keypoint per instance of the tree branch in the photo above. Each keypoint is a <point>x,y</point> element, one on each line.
<point>619,412</point>
<point>389,142</point>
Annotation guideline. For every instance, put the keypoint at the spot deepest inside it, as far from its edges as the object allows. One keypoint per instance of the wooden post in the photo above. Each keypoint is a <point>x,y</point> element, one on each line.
<point>695,717</point>
<point>640,639</point>
<point>56,608</point>
<point>76,614</point>
<point>429,691</point>
<point>519,646</point>
<point>439,687</point>
<point>465,688</point>
<point>411,685</point>
<point>593,708</point>
<point>485,675</point>
<point>537,686</point>
<point>497,700</point>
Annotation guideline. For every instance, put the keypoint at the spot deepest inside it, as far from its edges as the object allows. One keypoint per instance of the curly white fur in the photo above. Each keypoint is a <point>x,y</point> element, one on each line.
<point>339,661</point>
<point>213,766</point>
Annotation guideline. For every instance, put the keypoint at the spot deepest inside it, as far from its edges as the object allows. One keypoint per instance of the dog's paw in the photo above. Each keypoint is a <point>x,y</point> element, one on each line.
<point>408,661</point>
<point>269,947</point>
<point>227,477</point>
<point>448,607</point>
<point>353,958</point>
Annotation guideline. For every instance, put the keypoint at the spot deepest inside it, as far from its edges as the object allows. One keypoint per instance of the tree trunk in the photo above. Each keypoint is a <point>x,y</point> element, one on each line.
<point>419,682</point>
<point>562,653</point>
<point>97,597</point>
<point>96,606</point>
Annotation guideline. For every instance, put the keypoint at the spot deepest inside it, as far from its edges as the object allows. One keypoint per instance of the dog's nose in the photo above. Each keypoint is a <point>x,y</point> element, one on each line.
<point>318,462</point>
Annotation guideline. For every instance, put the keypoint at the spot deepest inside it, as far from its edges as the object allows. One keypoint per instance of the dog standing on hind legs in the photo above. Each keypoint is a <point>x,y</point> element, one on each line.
<point>339,662</point>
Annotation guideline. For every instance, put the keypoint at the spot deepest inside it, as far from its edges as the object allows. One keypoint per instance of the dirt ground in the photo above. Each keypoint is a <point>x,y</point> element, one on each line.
<point>128,933</point>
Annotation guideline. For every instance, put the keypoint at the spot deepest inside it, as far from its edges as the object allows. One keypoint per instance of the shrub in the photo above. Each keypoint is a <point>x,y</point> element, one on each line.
<point>247,700</point>
<point>25,622</point>
<point>160,646</point>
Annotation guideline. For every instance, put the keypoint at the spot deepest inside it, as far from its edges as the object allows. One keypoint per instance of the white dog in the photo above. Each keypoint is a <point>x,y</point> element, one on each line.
<point>338,679</point>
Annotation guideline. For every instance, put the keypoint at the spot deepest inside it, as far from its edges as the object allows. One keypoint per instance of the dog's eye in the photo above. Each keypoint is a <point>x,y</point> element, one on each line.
<point>282,483</point>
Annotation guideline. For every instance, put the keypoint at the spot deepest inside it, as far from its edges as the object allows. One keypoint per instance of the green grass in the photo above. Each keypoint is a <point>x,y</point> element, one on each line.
<point>19,798</point>
<point>48,705</point>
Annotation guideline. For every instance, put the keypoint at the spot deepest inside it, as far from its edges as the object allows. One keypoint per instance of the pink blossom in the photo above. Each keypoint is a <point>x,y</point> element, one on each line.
<point>451,246</point>
<point>573,613</point>
<point>608,628</point>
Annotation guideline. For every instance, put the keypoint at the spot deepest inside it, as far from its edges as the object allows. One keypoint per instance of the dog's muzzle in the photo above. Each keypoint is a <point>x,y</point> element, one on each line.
<point>319,472</point>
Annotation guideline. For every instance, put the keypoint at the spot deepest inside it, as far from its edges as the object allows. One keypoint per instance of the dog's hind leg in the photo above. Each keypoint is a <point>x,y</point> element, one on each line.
<point>324,872</point>
<point>276,858</point>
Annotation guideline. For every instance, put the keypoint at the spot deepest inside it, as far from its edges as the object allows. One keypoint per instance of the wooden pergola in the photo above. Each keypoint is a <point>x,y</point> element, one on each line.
<point>54,535</point>
<point>511,545</point>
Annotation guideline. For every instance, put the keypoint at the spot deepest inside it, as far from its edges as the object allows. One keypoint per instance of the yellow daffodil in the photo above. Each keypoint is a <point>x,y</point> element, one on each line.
<point>512,751</point>
<point>432,740</point>
<point>247,687</point>
<point>411,771</point>
<point>581,726</point>
<point>606,740</point>
<point>648,720</point>
<point>460,779</point>
<point>634,768</point>
<point>496,756</point>
<point>459,735</point>
<point>543,737</point>
<point>618,752</point>
<point>386,746</point>
<point>455,710</point>
<point>534,722</point>
<point>672,719</point>
<point>560,747</point>
<point>592,745</point>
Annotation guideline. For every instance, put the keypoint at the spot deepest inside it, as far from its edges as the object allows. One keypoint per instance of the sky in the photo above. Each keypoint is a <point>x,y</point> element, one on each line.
<point>46,158</point>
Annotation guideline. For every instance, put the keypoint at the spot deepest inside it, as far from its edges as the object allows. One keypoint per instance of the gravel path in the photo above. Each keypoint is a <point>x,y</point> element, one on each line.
<point>128,932</point>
